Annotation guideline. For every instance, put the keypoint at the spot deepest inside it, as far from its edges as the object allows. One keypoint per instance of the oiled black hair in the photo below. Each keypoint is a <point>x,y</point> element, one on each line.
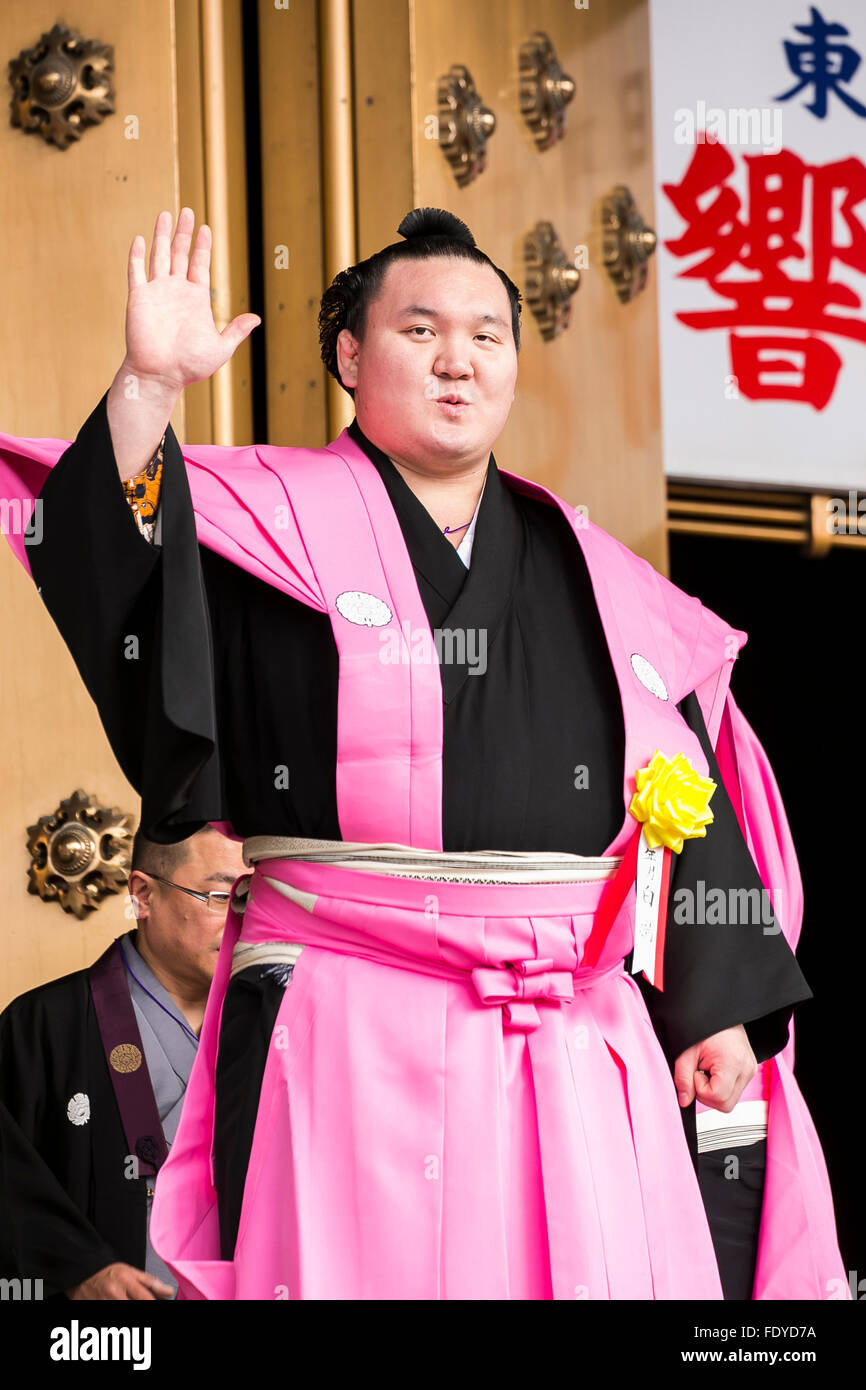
<point>428,232</point>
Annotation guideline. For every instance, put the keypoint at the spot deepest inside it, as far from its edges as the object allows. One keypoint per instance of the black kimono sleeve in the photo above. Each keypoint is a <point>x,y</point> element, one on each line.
<point>47,1164</point>
<point>43,1234</point>
<point>135,617</point>
<point>719,974</point>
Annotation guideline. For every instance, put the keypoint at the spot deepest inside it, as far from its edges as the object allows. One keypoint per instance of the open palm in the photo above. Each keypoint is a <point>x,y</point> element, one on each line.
<point>170,329</point>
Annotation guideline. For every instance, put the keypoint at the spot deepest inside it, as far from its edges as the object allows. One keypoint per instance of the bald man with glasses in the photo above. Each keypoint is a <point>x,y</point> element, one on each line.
<point>93,1072</point>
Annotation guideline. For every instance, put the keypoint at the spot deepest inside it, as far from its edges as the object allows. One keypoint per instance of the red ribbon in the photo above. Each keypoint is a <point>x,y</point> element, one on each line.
<point>613,898</point>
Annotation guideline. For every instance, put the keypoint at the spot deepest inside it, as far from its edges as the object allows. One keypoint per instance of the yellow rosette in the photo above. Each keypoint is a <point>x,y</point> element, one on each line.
<point>672,801</point>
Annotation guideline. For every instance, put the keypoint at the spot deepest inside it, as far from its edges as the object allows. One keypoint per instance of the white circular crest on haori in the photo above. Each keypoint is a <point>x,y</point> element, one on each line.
<point>78,1109</point>
<point>364,609</point>
<point>648,676</point>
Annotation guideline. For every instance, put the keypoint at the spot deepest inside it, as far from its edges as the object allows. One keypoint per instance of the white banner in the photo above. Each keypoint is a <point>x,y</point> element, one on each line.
<point>759,123</point>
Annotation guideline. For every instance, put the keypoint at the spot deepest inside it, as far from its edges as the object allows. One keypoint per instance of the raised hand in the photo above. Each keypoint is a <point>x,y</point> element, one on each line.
<point>171,336</point>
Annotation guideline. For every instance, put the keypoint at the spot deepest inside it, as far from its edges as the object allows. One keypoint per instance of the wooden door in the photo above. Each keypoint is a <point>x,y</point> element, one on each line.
<point>68,218</point>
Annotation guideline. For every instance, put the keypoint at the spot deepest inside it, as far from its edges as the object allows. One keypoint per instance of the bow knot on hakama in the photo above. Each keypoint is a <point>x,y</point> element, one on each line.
<point>517,984</point>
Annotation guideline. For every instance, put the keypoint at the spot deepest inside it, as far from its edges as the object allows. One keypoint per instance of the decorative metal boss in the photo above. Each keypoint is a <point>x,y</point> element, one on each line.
<point>551,279</point>
<point>627,243</point>
<point>465,124</point>
<point>80,853</point>
<point>60,85</point>
<point>545,90</point>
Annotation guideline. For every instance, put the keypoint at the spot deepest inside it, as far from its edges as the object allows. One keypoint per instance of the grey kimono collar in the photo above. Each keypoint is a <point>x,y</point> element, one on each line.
<point>162,1013</point>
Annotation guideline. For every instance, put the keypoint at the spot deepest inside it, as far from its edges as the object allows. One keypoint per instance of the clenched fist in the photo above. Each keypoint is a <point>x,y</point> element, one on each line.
<point>716,1070</point>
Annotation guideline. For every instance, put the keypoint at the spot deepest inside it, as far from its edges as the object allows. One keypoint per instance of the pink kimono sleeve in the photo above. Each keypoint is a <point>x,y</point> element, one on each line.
<point>754,792</point>
<point>798,1251</point>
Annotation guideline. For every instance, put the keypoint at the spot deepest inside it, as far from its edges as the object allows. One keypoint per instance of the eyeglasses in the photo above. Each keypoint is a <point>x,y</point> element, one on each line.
<point>217,902</point>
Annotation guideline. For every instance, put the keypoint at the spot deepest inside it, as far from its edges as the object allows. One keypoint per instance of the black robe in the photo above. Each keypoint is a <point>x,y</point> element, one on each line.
<point>71,1207</point>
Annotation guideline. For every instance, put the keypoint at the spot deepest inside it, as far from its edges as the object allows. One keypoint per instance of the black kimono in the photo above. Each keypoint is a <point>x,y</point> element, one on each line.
<point>72,1208</point>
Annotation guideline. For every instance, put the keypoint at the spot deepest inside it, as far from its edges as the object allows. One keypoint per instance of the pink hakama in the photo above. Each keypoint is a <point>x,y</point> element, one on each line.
<point>425,1133</point>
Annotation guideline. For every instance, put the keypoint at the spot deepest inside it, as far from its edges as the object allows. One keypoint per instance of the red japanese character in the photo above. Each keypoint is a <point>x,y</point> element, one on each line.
<point>753,250</point>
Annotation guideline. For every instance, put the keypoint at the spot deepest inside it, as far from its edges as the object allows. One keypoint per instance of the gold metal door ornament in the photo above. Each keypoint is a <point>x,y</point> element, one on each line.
<point>465,124</point>
<point>61,85</point>
<point>80,853</point>
<point>551,279</point>
<point>545,90</point>
<point>627,243</point>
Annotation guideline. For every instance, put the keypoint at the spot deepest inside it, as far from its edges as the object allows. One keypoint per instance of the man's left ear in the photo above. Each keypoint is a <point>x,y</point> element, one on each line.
<point>139,894</point>
<point>347,357</point>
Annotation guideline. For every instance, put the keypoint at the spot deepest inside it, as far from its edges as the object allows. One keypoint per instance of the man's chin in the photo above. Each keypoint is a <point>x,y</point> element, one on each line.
<point>457,437</point>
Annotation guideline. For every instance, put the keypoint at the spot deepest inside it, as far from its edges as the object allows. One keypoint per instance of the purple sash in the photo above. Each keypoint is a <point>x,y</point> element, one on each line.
<point>127,1067</point>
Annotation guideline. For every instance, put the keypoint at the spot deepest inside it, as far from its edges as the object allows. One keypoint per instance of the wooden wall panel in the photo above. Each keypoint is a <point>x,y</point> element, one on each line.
<point>63,285</point>
<point>225,190</point>
<point>68,219</point>
<point>384,146</point>
<point>292,218</point>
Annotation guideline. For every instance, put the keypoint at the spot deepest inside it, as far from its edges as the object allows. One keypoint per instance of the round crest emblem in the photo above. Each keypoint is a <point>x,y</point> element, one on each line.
<point>125,1057</point>
<point>78,1109</point>
<point>648,676</point>
<point>147,1149</point>
<point>363,609</point>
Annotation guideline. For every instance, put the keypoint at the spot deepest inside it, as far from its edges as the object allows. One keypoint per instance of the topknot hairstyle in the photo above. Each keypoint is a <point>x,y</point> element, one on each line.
<point>428,232</point>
